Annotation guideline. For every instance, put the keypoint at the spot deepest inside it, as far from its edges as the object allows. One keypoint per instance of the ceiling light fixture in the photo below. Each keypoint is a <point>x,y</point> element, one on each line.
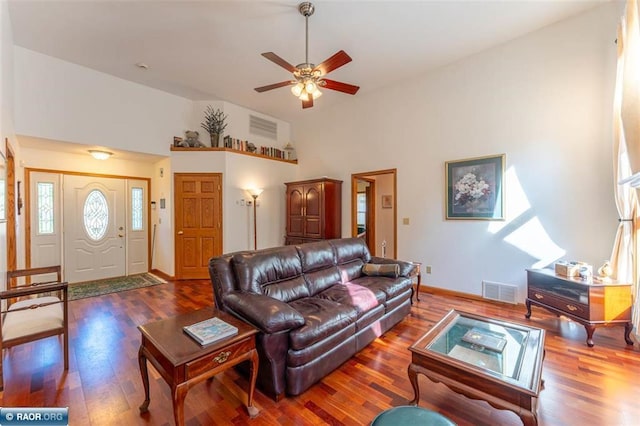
<point>100,155</point>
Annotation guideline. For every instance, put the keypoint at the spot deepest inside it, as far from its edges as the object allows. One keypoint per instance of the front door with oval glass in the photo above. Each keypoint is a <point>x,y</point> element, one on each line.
<point>94,228</point>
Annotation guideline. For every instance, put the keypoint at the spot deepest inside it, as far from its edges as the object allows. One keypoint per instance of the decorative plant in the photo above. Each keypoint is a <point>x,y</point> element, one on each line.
<point>214,121</point>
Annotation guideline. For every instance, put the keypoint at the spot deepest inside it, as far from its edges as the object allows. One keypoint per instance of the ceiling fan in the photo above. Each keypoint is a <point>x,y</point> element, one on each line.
<point>307,77</point>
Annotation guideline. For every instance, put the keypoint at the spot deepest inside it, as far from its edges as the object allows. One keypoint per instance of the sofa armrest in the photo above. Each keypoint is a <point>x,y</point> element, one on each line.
<point>268,314</point>
<point>405,267</point>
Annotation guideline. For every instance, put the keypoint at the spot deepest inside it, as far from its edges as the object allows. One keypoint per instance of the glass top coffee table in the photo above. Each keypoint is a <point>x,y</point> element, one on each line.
<point>483,358</point>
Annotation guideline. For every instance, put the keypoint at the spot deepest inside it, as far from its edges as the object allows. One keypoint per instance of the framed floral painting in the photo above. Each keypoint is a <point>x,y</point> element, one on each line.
<point>475,188</point>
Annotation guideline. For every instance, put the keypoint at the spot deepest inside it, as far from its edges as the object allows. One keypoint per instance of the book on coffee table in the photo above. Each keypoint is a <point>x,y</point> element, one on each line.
<point>210,330</point>
<point>490,340</point>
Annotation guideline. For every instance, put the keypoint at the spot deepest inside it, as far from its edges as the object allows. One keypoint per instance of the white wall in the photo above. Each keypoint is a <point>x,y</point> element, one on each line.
<point>6,113</point>
<point>238,124</point>
<point>63,161</point>
<point>62,101</point>
<point>544,100</point>
<point>241,172</point>
<point>384,217</point>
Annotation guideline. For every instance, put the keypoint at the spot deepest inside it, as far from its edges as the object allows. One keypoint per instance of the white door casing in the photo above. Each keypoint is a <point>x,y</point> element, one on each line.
<point>94,232</point>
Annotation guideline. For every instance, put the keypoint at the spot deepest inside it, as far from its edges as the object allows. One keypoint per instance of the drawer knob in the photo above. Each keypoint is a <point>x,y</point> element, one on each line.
<point>572,308</point>
<point>539,296</point>
<point>222,357</point>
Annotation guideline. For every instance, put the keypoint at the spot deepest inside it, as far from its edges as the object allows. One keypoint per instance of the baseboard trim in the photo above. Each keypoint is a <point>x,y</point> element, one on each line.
<point>451,293</point>
<point>161,274</point>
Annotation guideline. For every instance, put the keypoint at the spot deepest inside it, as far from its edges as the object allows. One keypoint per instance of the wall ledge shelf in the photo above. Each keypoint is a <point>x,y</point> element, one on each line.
<point>235,151</point>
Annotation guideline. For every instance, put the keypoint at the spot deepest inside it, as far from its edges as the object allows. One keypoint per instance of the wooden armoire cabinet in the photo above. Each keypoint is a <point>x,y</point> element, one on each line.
<point>314,210</point>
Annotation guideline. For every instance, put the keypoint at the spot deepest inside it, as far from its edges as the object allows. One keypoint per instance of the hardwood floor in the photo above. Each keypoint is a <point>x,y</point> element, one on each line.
<point>583,386</point>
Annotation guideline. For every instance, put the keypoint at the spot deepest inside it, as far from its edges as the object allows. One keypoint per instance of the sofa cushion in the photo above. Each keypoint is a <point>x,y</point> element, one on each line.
<point>348,249</point>
<point>361,298</point>
<point>381,269</point>
<point>351,270</point>
<point>322,317</point>
<point>321,280</point>
<point>316,255</point>
<point>296,358</point>
<point>274,272</point>
<point>392,287</point>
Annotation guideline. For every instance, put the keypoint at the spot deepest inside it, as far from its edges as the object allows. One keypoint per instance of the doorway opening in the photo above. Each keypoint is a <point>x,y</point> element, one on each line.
<point>374,212</point>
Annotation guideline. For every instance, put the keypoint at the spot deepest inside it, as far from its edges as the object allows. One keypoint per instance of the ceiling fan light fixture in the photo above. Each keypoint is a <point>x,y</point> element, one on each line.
<point>304,96</point>
<point>297,89</point>
<point>310,86</point>
<point>307,77</point>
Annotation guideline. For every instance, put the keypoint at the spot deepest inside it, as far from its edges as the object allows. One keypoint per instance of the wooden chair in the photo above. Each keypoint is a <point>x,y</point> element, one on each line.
<point>32,318</point>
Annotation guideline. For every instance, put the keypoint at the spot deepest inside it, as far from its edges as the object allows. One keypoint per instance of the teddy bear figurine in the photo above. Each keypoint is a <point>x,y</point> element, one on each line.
<point>191,140</point>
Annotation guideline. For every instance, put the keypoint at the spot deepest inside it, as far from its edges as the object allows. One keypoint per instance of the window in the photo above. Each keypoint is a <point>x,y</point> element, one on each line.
<point>46,221</point>
<point>136,209</point>
<point>361,209</point>
<point>96,215</point>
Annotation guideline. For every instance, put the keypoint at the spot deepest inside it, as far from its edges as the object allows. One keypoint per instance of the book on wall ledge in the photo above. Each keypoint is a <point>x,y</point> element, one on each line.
<point>210,330</point>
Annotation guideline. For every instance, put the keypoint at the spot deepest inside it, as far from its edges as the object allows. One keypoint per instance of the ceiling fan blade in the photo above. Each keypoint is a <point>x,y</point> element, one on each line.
<point>279,61</point>
<point>273,86</point>
<point>336,61</point>
<point>307,103</point>
<point>339,86</point>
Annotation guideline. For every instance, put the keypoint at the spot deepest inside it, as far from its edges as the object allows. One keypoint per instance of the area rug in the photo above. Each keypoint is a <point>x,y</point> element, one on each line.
<point>112,285</point>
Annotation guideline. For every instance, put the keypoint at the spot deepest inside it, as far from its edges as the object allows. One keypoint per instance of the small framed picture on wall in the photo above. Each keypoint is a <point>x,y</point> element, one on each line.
<point>387,201</point>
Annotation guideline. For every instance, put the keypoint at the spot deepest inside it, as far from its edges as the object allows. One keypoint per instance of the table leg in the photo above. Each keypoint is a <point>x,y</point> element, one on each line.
<point>590,329</point>
<point>528,314</point>
<point>418,285</point>
<point>179,394</point>
<point>253,411</point>
<point>529,418</point>
<point>142,361</point>
<point>627,332</point>
<point>413,378</point>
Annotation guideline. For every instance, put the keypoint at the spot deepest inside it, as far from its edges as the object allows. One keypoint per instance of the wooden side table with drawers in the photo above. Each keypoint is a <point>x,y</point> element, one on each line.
<point>587,302</point>
<point>183,362</point>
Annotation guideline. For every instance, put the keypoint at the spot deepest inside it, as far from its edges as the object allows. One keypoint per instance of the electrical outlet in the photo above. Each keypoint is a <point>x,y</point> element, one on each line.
<point>428,269</point>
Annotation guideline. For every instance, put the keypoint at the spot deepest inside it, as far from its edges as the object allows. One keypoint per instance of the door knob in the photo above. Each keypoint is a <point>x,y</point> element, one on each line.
<point>120,235</point>
<point>180,232</point>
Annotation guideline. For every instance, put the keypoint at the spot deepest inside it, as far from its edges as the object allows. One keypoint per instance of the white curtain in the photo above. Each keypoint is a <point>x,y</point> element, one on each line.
<point>626,150</point>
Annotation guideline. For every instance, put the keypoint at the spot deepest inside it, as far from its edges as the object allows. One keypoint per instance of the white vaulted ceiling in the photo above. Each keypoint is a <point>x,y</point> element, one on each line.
<point>206,50</point>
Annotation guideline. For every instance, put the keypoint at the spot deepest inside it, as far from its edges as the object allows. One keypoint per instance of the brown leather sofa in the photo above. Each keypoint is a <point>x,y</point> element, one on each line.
<point>313,305</point>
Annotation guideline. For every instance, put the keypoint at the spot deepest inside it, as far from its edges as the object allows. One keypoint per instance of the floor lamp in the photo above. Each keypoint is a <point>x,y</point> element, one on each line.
<point>255,192</point>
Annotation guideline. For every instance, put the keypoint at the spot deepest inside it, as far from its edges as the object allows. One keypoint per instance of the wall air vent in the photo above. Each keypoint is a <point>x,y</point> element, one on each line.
<point>499,291</point>
<point>261,127</point>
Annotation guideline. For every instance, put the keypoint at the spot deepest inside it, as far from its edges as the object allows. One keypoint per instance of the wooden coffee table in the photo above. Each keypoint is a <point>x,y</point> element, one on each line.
<point>483,358</point>
<point>182,362</point>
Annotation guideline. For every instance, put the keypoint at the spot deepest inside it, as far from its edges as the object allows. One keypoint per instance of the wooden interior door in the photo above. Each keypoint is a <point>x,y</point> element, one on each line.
<point>198,223</point>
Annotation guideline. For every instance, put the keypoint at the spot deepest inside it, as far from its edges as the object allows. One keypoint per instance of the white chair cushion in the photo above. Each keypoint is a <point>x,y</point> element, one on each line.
<point>31,321</point>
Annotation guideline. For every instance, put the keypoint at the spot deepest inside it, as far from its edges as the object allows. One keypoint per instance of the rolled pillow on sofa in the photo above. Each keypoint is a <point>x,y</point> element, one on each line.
<point>381,270</point>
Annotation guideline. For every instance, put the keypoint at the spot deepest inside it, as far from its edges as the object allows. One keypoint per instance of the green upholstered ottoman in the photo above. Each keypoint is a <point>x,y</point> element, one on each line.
<point>410,415</point>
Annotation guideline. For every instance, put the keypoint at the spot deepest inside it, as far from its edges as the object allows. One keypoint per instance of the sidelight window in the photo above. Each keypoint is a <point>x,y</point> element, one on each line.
<point>45,208</point>
<point>136,209</point>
